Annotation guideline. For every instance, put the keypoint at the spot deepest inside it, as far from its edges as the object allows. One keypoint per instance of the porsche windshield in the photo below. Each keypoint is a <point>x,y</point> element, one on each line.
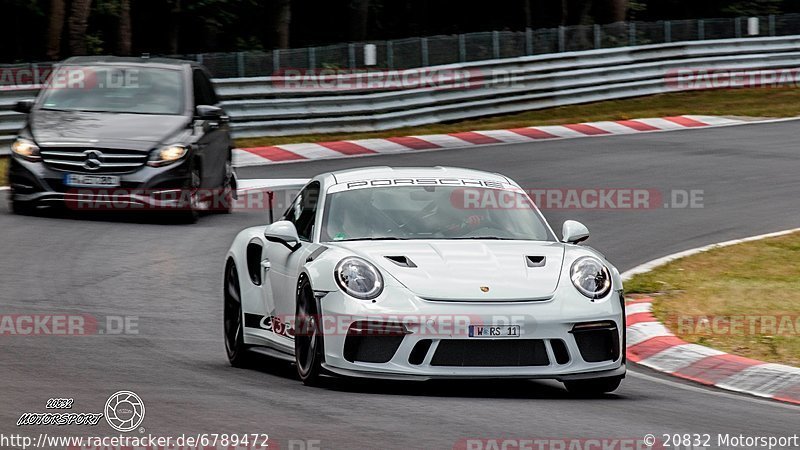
<point>431,212</point>
<point>137,90</point>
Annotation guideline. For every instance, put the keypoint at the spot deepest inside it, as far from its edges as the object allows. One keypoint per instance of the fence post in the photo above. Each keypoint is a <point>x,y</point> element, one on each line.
<point>312,58</point>
<point>632,34</point>
<point>598,38</point>
<point>701,30</point>
<point>199,58</point>
<point>390,54</point>
<point>351,55</point>
<point>772,30</point>
<point>423,43</point>
<point>668,31</point>
<point>737,26</point>
<point>561,39</point>
<point>276,60</point>
<point>496,44</point>
<point>240,64</point>
<point>528,41</point>
<point>462,48</point>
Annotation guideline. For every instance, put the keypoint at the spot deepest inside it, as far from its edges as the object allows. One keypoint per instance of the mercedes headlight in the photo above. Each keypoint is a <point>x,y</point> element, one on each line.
<point>26,149</point>
<point>591,277</point>
<point>167,155</point>
<point>359,278</point>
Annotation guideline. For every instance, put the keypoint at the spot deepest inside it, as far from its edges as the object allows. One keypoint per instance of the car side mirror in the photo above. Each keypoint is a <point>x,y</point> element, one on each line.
<point>212,113</point>
<point>283,232</point>
<point>574,232</point>
<point>24,106</point>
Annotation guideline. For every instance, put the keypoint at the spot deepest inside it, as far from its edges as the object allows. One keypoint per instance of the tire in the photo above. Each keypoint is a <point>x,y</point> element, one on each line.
<point>22,208</point>
<point>593,386</point>
<point>233,324</point>
<point>189,212</point>
<point>308,342</point>
<point>227,189</point>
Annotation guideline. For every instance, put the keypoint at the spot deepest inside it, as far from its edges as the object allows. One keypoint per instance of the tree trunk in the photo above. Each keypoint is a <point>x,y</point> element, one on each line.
<point>77,24</point>
<point>527,12</point>
<point>359,16</point>
<point>283,20</point>
<point>175,28</point>
<point>618,10</point>
<point>577,11</point>
<point>54,29</point>
<point>125,31</point>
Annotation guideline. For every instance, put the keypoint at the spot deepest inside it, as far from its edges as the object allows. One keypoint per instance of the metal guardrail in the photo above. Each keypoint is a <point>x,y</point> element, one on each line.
<point>271,106</point>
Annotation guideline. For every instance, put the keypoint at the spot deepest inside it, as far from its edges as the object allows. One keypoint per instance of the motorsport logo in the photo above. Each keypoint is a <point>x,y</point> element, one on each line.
<point>124,411</point>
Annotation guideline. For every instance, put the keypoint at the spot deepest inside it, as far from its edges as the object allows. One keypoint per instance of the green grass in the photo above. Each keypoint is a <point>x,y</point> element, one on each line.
<point>755,281</point>
<point>739,102</point>
<point>3,171</point>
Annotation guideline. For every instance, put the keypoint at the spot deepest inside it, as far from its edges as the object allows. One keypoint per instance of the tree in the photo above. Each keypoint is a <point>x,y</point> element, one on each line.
<point>124,36</point>
<point>359,16</point>
<point>77,23</point>
<point>54,29</point>
<point>282,22</point>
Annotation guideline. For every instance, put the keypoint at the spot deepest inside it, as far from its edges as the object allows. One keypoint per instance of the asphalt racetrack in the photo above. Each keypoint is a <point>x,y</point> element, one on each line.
<point>170,278</point>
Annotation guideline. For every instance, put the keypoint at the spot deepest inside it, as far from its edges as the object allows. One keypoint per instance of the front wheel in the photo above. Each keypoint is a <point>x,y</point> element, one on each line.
<point>308,338</point>
<point>237,351</point>
<point>593,386</point>
<point>22,208</point>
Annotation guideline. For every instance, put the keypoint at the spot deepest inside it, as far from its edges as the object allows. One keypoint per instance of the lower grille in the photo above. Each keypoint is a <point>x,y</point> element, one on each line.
<point>90,160</point>
<point>490,353</point>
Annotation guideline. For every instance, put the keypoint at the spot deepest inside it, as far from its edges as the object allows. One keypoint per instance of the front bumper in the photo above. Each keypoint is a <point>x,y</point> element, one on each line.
<point>436,342</point>
<point>150,187</point>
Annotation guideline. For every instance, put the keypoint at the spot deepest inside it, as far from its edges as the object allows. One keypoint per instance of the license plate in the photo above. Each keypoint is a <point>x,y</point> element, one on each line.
<point>494,331</point>
<point>78,180</point>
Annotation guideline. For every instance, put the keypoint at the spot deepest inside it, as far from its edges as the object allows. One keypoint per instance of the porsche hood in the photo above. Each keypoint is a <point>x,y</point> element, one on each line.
<point>477,271</point>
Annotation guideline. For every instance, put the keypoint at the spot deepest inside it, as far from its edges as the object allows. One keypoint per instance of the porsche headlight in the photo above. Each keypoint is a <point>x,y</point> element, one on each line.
<point>167,155</point>
<point>26,149</point>
<point>359,278</point>
<point>591,277</point>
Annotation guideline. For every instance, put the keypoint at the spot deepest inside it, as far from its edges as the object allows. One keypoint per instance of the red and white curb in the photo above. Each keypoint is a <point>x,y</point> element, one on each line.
<point>275,154</point>
<point>652,345</point>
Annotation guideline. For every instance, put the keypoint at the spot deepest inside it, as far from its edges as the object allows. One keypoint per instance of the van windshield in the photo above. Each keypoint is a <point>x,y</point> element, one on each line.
<point>135,90</point>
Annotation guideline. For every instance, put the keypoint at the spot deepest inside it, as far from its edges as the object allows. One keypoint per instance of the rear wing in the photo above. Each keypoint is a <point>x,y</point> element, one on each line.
<point>270,186</point>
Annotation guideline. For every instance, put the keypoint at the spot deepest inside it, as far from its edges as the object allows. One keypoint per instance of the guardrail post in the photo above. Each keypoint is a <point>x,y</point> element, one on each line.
<point>496,44</point>
<point>772,30</point>
<point>737,26</point>
<point>351,55</point>
<point>561,39</point>
<point>312,57</point>
<point>276,61</point>
<point>598,37</point>
<point>240,64</point>
<point>199,58</point>
<point>632,34</point>
<point>462,48</point>
<point>668,31</point>
<point>701,30</point>
<point>390,54</point>
<point>528,41</point>
<point>423,43</point>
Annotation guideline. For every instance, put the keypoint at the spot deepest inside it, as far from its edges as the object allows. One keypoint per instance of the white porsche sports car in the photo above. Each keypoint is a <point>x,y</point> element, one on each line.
<point>421,273</point>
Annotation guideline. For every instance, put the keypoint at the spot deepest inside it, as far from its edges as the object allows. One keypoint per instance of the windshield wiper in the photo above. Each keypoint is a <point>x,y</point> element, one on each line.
<point>386,238</point>
<point>483,238</point>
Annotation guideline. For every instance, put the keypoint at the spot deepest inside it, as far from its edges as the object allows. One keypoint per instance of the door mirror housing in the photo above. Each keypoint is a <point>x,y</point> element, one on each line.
<point>208,112</point>
<point>283,232</point>
<point>24,106</point>
<point>574,232</point>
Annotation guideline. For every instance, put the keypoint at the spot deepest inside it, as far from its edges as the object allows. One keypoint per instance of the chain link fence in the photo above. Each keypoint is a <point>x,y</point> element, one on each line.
<point>437,50</point>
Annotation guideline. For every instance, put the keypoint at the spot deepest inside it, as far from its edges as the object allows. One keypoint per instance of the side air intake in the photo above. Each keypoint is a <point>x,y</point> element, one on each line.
<point>401,261</point>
